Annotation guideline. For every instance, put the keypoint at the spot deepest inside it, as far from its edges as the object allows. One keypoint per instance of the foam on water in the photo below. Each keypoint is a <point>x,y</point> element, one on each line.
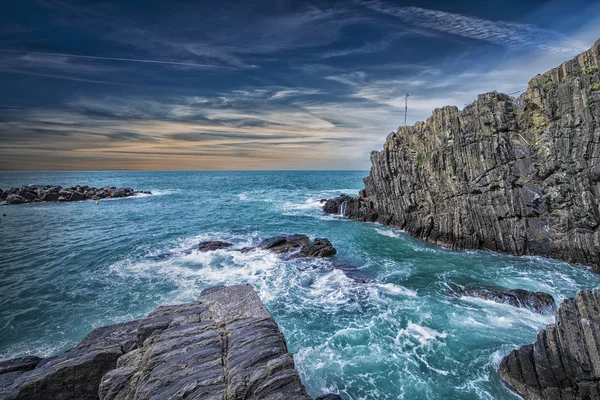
<point>397,333</point>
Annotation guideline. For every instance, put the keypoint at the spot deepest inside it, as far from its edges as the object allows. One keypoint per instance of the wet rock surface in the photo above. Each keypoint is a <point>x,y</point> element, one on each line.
<point>39,193</point>
<point>539,302</point>
<point>226,345</point>
<point>294,246</point>
<point>213,245</point>
<point>564,361</point>
<point>516,175</point>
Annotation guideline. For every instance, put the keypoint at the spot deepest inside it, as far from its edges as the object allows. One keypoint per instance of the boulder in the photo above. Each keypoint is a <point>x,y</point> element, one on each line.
<point>564,361</point>
<point>294,246</point>
<point>319,248</point>
<point>330,396</point>
<point>76,196</point>
<point>213,245</point>
<point>15,199</point>
<point>285,243</point>
<point>225,345</point>
<point>538,302</point>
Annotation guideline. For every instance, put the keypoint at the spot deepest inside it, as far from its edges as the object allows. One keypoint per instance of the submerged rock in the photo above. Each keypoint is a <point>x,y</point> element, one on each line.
<point>213,245</point>
<point>225,345</point>
<point>516,175</point>
<point>294,246</point>
<point>538,302</point>
<point>37,193</point>
<point>564,361</point>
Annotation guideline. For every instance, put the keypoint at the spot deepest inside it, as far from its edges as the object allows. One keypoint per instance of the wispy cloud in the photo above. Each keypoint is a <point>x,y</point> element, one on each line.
<point>63,56</point>
<point>504,33</point>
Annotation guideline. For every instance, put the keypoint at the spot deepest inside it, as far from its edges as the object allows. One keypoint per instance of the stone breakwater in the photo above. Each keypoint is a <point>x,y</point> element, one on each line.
<point>39,193</point>
<point>564,361</point>
<point>226,345</point>
<point>516,175</point>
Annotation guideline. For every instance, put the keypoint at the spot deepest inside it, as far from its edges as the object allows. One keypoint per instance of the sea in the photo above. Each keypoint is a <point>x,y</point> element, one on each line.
<point>67,268</point>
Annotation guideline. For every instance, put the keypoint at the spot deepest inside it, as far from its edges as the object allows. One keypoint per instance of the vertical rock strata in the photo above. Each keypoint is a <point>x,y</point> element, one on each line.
<point>516,175</point>
<point>564,361</point>
<point>224,346</point>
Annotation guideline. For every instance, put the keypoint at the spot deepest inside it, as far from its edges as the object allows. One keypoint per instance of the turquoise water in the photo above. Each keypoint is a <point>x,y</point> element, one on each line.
<point>68,268</point>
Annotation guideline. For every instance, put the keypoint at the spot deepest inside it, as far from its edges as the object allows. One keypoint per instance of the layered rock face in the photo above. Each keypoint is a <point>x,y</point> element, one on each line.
<point>226,345</point>
<point>517,175</point>
<point>564,361</point>
<point>38,193</point>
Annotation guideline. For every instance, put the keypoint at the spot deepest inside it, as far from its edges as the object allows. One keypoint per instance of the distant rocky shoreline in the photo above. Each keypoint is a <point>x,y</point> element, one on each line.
<point>50,193</point>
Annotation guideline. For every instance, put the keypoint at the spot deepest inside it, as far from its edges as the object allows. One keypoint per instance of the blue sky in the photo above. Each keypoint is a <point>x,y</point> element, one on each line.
<point>256,85</point>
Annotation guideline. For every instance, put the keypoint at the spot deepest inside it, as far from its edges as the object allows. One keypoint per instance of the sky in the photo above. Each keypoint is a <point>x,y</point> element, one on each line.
<point>260,85</point>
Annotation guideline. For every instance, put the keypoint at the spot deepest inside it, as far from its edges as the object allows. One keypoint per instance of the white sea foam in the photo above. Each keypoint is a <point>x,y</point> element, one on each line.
<point>396,289</point>
<point>387,232</point>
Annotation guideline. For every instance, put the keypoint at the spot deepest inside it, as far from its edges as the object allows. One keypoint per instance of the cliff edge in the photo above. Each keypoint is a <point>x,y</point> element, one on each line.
<point>516,175</point>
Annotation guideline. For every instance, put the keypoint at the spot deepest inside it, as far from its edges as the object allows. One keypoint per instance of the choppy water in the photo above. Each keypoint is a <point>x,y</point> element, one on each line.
<point>68,268</point>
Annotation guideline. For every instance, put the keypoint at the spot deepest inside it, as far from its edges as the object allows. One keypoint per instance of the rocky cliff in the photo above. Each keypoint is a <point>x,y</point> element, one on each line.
<point>226,345</point>
<point>516,175</point>
<point>564,361</point>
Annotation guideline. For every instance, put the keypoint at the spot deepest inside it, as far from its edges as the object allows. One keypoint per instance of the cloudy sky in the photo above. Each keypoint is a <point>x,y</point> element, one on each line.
<point>256,84</point>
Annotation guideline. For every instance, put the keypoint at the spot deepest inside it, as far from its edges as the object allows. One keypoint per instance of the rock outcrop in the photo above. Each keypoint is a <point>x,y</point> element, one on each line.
<point>295,246</point>
<point>38,193</point>
<point>564,361</point>
<point>539,302</point>
<point>226,345</point>
<point>213,245</point>
<point>516,175</point>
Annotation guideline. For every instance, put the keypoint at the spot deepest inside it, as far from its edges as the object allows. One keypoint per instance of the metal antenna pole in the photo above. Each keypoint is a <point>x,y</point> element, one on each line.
<point>405,108</point>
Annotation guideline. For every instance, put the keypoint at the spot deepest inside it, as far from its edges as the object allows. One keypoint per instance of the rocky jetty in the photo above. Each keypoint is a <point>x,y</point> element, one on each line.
<point>38,193</point>
<point>226,345</point>
<point>564,361</point>
<point>539,302</point>
<point>516,175</point>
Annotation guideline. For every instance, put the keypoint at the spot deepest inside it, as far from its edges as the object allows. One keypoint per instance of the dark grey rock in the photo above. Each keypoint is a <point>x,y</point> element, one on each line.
<point>564,361</point>
<point>38,193</point>
<point>76,196</point>
<point>336,205</point>
<point>226,345</point>
<point>319,248</point>
<point>19,364</point>
<point>516,175</point>
<point>330,396</point>
<point>294,246</point>
<point>285,243</point>
<point>213,245</point>
<point>539,302</point>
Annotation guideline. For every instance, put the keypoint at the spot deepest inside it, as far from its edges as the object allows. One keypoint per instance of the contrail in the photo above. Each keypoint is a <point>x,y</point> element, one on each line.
<point>118,59</point>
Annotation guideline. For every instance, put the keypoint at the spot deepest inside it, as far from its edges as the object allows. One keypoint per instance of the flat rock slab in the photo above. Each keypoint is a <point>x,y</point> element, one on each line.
<point>226,345</point>
<point>564,361</point>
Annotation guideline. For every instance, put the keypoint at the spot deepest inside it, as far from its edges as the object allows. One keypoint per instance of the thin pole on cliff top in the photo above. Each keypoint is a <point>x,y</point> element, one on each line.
<point>405,108</point>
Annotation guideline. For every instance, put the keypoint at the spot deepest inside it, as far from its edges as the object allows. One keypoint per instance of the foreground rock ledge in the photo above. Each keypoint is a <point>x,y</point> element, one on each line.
<point>226,345</point>
<point>49,193</point>
<point>564,361</point>
<point>516,175</point>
